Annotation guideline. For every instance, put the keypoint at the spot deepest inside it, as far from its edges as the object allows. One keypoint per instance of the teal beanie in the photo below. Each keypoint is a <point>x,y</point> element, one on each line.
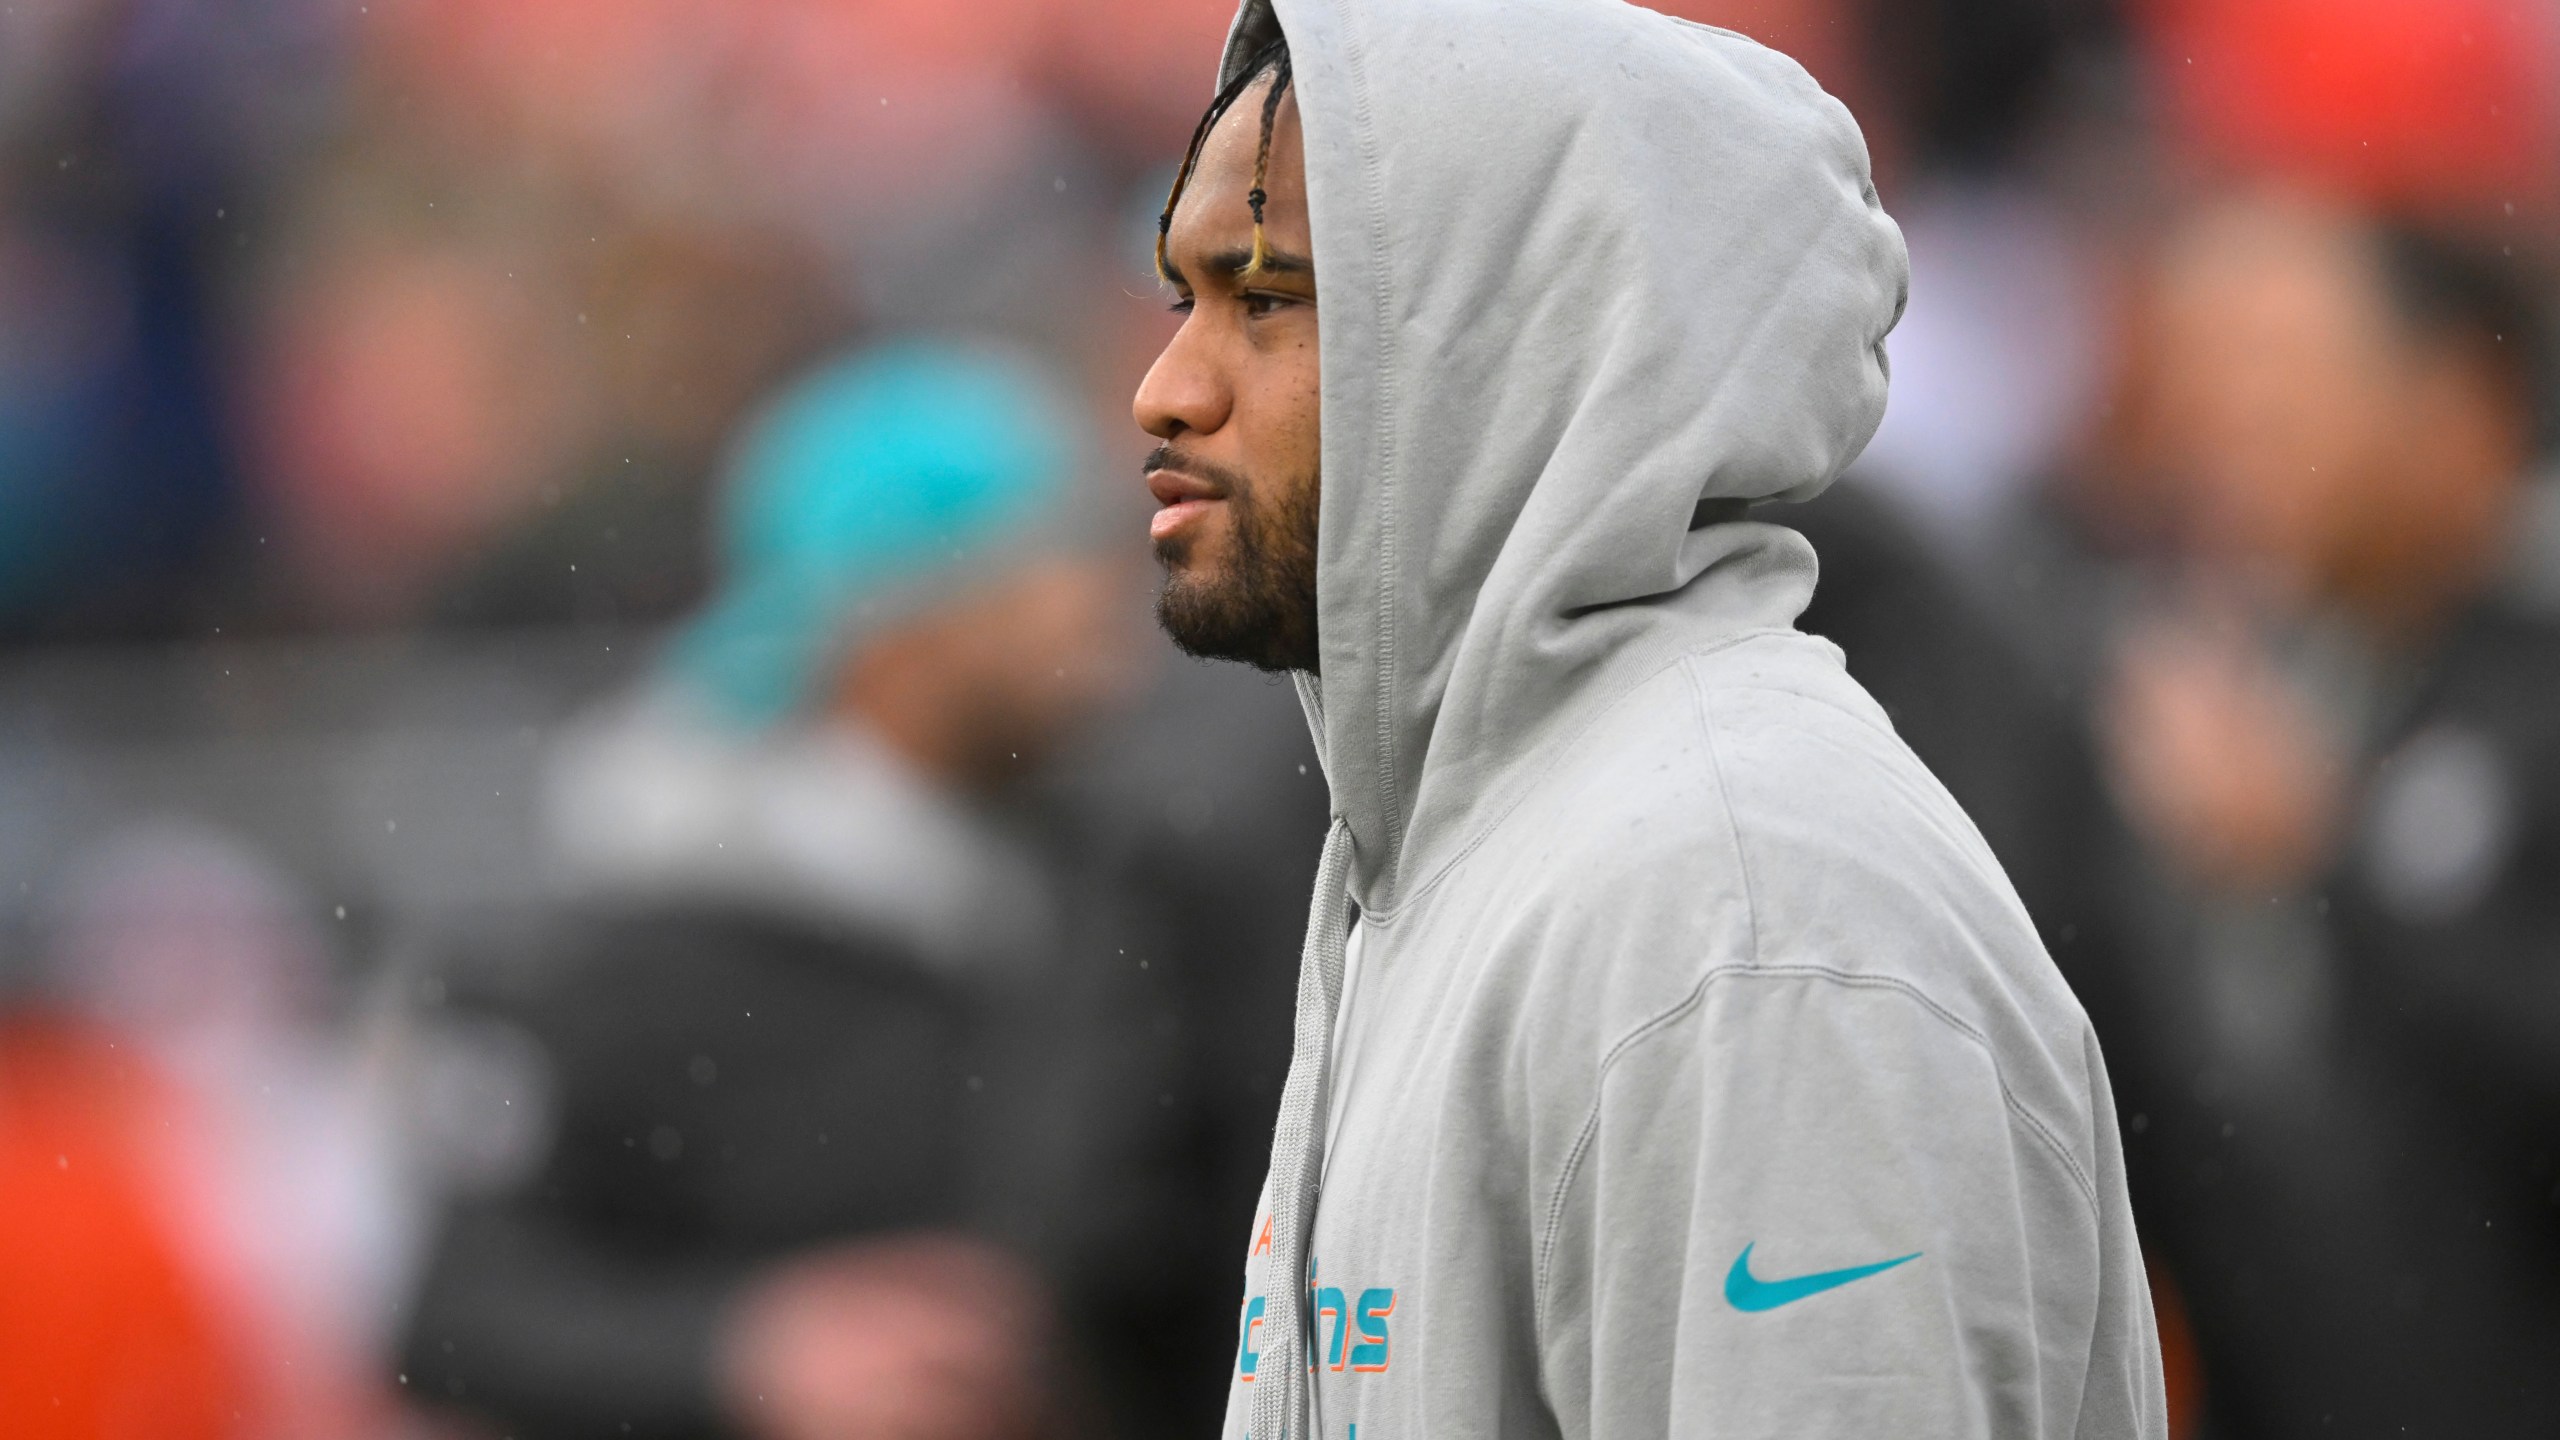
<point>857,489</point>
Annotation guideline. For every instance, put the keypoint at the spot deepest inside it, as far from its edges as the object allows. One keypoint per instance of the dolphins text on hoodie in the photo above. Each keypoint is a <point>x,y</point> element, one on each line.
<point>1697,1072</point>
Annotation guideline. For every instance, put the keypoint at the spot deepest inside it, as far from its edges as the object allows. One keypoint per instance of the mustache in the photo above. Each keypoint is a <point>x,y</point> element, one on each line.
<point>1165,457</point>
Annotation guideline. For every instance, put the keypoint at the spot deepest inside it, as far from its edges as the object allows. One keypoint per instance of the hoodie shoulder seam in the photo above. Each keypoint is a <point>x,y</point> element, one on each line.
<point>1687,1005</point>
<point>1863,722</point>
<point>1751,909</point>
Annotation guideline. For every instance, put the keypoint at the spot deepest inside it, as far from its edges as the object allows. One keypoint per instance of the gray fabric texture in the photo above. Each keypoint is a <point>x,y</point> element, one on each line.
<point>1677,977</point>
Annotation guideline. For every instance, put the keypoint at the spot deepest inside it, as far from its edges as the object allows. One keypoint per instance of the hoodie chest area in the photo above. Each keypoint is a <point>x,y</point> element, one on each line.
<point>1419,1280</point>
<point>1418,1048</point>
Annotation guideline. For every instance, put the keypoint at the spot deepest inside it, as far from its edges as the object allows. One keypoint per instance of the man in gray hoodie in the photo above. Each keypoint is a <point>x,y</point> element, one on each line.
<point>1692,1069</point>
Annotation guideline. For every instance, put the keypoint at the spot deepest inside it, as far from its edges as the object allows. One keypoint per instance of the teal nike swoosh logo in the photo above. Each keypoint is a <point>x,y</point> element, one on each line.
<point>1749,1292</point>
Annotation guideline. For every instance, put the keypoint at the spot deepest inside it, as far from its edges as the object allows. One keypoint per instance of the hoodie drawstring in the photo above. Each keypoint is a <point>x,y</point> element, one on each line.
<point>1281,1399</point>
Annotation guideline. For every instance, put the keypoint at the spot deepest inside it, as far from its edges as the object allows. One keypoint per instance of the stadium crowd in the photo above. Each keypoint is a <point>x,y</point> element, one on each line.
<point>593,840</point>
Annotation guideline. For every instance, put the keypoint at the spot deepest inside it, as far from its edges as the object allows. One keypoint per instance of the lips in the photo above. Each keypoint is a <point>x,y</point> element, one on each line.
<point>1173,487</point>
<point>1182,498</point>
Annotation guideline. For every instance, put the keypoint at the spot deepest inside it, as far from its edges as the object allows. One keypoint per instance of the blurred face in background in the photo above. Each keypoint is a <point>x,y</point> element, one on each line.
<point>2326,446</point>
<point>981,688</point>
<point>2275,385</point>
<point>1234,399</point>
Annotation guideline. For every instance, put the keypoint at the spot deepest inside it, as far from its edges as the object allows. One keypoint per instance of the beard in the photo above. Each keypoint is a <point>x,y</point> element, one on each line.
<point>1262,609</point>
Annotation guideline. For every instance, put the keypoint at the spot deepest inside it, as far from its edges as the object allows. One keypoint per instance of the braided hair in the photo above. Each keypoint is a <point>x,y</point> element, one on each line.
<point>1272,60</point>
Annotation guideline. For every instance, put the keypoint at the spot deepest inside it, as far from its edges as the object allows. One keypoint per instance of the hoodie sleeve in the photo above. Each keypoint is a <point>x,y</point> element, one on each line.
<point>1806,1205</point>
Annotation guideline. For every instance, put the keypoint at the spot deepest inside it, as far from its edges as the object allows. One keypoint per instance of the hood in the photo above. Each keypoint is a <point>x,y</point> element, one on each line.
<point>1591,280</point>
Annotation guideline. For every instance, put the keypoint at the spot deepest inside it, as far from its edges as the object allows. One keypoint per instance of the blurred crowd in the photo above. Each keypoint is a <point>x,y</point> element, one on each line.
<point>593,841</point>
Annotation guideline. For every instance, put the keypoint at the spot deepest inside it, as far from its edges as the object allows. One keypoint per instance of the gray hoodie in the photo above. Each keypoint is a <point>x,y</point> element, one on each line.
<point>1696,1071</point>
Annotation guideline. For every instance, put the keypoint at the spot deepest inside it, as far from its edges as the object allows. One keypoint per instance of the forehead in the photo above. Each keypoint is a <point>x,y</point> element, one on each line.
<point>1215,195</point>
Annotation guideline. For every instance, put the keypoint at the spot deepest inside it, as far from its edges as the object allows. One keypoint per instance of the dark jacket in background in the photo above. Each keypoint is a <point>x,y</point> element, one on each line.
<point>731,1089</point>
<point>2373,1242</point>
<point>799,1000</point>
<point>2343,1129</point>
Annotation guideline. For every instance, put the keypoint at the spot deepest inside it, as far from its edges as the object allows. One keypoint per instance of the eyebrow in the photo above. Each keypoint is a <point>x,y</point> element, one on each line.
<point>1232,263</point>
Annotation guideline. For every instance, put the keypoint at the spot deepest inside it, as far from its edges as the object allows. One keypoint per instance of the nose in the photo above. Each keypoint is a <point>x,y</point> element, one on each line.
<point>1186,391</point>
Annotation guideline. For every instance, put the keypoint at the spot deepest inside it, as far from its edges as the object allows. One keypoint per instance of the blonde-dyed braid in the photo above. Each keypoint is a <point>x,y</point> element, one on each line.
<point>1272,59</point>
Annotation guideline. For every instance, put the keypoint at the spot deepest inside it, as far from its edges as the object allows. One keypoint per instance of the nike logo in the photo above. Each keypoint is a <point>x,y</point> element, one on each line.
<point>1749,1292</point>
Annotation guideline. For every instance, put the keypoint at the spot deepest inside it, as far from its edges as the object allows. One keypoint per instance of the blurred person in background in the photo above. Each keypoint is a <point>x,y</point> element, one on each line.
<point>2341,726</point>
<point>799,1012</point>
<point>203,1228</point>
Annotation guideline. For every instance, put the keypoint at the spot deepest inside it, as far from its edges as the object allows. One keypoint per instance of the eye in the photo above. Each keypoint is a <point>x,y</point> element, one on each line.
<point>1181,305</point>
<point>1258,303</point>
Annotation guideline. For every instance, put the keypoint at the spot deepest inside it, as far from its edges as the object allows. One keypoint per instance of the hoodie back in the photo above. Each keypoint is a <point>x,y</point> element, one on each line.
<point>1697,1071</point>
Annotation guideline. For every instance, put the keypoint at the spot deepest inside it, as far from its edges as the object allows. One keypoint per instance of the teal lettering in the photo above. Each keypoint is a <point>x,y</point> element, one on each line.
<point>1329,1301</point>
<point>1246,1356</point>
<point>1376,1304</point>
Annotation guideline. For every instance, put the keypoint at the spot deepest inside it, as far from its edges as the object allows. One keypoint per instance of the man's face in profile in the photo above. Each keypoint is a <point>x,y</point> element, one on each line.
<point>1234,400</point>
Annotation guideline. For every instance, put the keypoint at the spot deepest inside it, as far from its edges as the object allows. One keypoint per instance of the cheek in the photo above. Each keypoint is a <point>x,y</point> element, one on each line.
<point>1290,391</point>
<point>1309,376</point>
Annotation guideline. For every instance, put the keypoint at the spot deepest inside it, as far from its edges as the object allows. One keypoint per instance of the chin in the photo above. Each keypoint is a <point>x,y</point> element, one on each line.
<point>1209,620</point>
<point>1192,574</point>
<point>1192,550</point>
